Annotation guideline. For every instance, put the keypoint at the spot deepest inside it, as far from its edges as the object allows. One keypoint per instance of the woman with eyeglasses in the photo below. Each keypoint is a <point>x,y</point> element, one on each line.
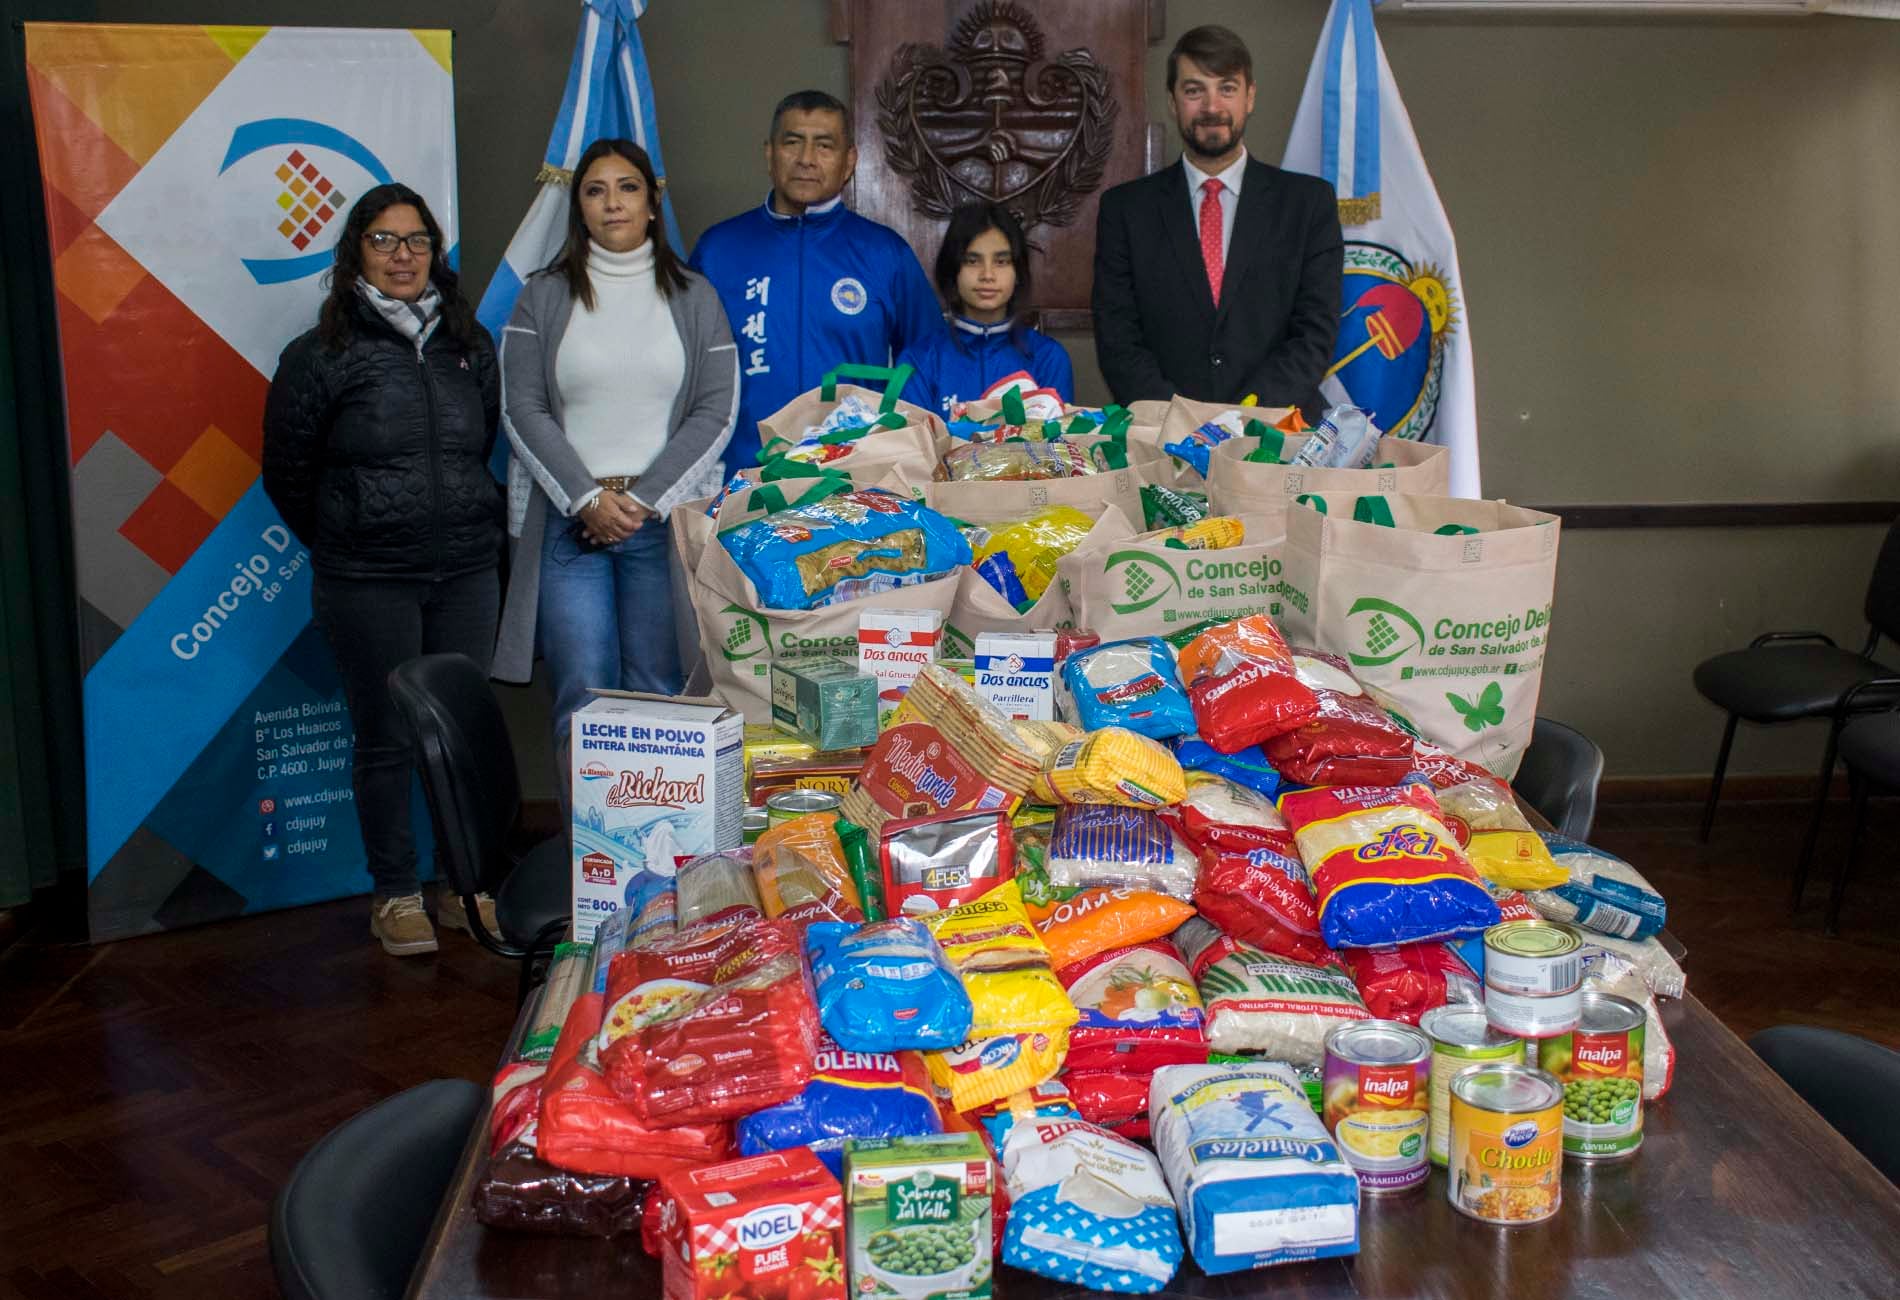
<point>376,440</point>
<point>622,386</point>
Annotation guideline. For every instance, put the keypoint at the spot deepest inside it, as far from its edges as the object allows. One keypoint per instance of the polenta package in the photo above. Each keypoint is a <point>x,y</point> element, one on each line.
<point>851,1095</point>
<point>1386,870</point>
<point>1244,685</point>
<point>1088,1208</point>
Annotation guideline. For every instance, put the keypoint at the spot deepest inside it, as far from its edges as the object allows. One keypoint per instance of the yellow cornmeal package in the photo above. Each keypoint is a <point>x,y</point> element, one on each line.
<point>1216,533</point>
<point>1503,847</point>
<point>1113,766</point>
<point>985,1070</point>
<point>1004,965</point>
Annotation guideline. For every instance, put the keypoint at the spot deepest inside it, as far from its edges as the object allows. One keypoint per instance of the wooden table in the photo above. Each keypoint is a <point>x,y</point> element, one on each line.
<point>1739,1190</point>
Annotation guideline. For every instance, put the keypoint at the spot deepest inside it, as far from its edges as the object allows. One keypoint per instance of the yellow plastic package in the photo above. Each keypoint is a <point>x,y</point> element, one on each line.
<point>1502,845</point>
<point>1036,543</point>
<point>1213,534</point>
<point>1004,964</point>
<point>1113,766</point>
<point>986,1070</point>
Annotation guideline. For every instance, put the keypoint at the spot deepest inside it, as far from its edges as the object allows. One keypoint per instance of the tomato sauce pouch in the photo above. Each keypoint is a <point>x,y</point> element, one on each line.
<point>851,1095</point>
<point>1097,920</point>
<point>1140,1010</point>
<point>1244,685</point>
<point>1405,982</point>
<point>1386,870</point>
<point>1350,740</point>
<point>1257,889</point>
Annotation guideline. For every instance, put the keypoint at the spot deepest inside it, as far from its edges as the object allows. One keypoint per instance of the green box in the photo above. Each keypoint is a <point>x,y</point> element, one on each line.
<point>917,1217</point>
<point>825,701</point>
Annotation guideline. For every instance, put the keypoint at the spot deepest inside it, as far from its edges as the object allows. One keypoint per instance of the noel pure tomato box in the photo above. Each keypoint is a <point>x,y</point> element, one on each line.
<point>920,1217</point>
<point>656,781</point>
<point>770,1227</point>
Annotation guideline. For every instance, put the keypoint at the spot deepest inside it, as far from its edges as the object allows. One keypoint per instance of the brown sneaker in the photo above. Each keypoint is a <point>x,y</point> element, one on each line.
<point>402,925</point>
<point>451,915</point>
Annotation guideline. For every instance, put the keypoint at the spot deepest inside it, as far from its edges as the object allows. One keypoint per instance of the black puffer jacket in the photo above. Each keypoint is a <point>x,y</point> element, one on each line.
<point>378,459</point>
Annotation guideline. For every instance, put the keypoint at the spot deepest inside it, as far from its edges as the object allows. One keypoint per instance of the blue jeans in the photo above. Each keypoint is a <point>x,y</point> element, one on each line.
<point>605,619</point>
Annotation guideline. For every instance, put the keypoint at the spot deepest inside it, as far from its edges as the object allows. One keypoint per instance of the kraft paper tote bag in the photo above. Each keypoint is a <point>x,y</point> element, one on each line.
<point>1122,582</point>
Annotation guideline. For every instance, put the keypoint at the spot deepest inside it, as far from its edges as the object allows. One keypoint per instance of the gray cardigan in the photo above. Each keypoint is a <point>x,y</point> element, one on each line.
<point>686,468</point>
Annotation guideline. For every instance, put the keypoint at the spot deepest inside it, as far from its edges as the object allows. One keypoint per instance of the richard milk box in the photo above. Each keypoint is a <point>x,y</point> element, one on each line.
<point>656,782</point>
<point>1016,671</point>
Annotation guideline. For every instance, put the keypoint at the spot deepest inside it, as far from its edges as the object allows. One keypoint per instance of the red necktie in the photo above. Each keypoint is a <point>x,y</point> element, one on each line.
<point>1210,235</point>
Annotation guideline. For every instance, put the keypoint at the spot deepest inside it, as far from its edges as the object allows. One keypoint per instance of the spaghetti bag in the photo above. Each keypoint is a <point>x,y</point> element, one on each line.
<point>1139,1010</point>
<point>1256,1002</point>
<point>886,986</point>
<point>1386,870</point>
<point>1088,1208</point>
<point>710,1023</point>
<point>1405,982</point>
<point>1096,920</point>
<point>1129,684</point>
<point>1244,685</point>
<point>1004,964</point>
<point>1351,740</point>
<point>851,1095</point>
<point>1097,845</point>
<point>799,557</point>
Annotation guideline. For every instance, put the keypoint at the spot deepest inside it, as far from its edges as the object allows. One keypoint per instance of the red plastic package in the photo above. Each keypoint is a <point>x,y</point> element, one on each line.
<point>1349,741</point>
<point>1244,684</point>
<point>1513,905</point>
<point>1257,890</point>
<point>710,1023</point>
<point>1405,982</point>
<point>1140,1010</point>
<point>1115,1100</point>
<point>586,1127</point>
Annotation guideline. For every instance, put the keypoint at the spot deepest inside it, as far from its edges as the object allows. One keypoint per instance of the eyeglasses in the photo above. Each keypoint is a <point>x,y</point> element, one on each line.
<point>385,241</point>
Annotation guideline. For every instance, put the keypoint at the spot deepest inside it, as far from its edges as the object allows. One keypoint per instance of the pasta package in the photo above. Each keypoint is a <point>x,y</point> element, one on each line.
<point>1139,1010</point>
<point>1089,1208</point>
<point>1095,844</point>
<point>987,1069</point>
<point>1257,1002</point>
<point>807,555</point>
<point>1259,893</point>
<point>800,870</point>
<point>1404,982</point>
<point>1351,740</point>
<point>1113,766</point>
<point>1244,685</point>
<point>1385,868</point>
<point>1497,839</point>
<point>1096,920</point>
<point>1129,684</point>
<point>1004,964</point>
<point>886,986</point>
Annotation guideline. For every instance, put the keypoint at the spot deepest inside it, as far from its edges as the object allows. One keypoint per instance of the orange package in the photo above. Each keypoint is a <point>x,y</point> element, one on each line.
<point>1097,920</point>
<point>801,873</point>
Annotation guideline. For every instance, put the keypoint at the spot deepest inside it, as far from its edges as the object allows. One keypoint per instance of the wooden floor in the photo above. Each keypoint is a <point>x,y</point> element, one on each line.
<point>157,1091</point>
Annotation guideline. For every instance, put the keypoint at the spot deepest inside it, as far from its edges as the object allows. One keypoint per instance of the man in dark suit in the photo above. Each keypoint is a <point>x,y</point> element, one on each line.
<point>1219,276</point>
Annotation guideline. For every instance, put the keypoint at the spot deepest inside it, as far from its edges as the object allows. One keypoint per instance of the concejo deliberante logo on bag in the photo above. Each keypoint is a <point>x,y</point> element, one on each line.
<point>1141,579</point>
<point>1379,632</point>
<point>746,636</point>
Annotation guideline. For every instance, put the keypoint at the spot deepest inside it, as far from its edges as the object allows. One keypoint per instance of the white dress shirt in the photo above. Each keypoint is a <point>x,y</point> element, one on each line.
<point>1229,196</point>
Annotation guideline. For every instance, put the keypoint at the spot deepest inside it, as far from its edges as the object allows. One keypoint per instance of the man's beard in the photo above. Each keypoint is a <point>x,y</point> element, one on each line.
<point>1228,137</point>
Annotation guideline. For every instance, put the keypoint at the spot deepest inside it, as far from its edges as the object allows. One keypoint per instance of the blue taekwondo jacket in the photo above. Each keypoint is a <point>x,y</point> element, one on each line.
<point>959,364</point>
<point>806,293</point>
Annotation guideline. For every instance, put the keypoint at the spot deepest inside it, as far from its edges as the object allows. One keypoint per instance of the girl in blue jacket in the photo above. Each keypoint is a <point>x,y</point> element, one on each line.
<point>983,277</point>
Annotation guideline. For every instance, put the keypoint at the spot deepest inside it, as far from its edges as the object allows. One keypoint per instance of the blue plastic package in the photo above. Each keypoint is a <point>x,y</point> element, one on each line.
<point>1130,684</point>
<point>851,1095</point>
<point>999,571</point>
<point>886,986</point>
<point>869,538</point>
<point>1088,1207</point>
<point>1248,767</point>
<point>1196,447</point>
<point>1604,893</point>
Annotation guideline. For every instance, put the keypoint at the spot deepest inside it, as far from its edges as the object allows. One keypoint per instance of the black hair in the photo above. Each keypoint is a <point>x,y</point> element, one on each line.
<point>334,320</point>
<point>1218,49</point>
<point>571,261</point>
<point>966,224</point>
<point>809,101</point>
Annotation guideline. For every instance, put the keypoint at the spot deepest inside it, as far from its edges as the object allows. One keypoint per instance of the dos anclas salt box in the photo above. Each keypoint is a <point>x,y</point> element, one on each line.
<point>894,645</point>
<point>1016,671</point>
<point>656,782</point>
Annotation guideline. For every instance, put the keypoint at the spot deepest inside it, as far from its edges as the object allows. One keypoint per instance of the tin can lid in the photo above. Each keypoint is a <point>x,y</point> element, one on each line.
<point>1378,1042</point>
<point>754,817</point>
<point>1605,1013</point>
<point>1506,1088</point>
<point>804,801</point>
<point>1533,939</point>
<point>1460,1024</point>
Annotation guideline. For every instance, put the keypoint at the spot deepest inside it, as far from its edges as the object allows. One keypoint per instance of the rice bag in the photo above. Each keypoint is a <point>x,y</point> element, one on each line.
<point>1350,741</point>
<point>851,1095</point>
<point>1248,767</point>
<point>716,887</point>
<point>1004,965</point>
<point>1243,684</point>
<point>1256,1002</point>
<point>797,558</point>
<point>1497,840</point>
<point>1112,766</point>
<point>886,986</point>
<point>801,874</point>
<point>1404,982</point>
<point>1259,893</point>
<point>1661,973</point>
<point>1129,684</point>
<point>930,863</point>
<point>1033,545</point>
<point>710,1023</point>
<point>1215,810</point>
<point>1096,920</point>
<point>1139,1009</point>
<point>1385,869</point>
<point>1602,893</point>
<point>1088,1208</point>
<point>989,1068</point>
<point>1166,507</point>
<point>1095,844</point>
<point>1255,1175</point>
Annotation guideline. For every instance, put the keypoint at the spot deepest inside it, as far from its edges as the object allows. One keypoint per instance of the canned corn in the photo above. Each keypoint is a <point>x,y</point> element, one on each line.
<point>1375,1095</point>
<point>1506,1157</point>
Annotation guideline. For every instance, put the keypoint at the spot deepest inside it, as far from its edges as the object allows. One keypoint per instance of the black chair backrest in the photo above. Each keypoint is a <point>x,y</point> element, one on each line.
<point>1559,777</point>
<point>1883,589</point>
<point>1850,1080</point>
<point>467,763</point>
<point>351,1222</point>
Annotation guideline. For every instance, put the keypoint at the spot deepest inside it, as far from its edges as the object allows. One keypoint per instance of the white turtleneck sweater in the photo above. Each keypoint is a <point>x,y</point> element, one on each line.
<point>620,365</point>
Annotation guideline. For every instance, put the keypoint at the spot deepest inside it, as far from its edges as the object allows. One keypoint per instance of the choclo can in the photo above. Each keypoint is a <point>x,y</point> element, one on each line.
<point>1600,1066</point>
<point>1506,1157</point>
<point>1460,1037</point>
<point>787,804</point>
<point>1375,1095</point>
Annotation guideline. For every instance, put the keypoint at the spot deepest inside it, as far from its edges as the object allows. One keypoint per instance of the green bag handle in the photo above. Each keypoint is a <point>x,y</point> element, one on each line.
<point>1013,412</point>
<point>1272,442</point>
<point>769,498</point>
<point>1080,424</point>
<point>892,377</point>
<point>1115,421</point>
<point>1454,530</point>
<point>1115,454</point>
<point>1308,499</point>
<point>1373,510</point>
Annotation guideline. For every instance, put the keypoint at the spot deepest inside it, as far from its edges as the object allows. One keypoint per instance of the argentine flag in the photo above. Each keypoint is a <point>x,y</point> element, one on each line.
<point>1404,350</point>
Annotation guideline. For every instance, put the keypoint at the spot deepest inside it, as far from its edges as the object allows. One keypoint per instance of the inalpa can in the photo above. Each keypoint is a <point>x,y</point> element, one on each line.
<point>1461,1037</point>
<point>787,804</point>
<point>1600,1066</point>
<point>1533,978</point>
<point>1507,1155</point>
<point>1375,1094</point>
